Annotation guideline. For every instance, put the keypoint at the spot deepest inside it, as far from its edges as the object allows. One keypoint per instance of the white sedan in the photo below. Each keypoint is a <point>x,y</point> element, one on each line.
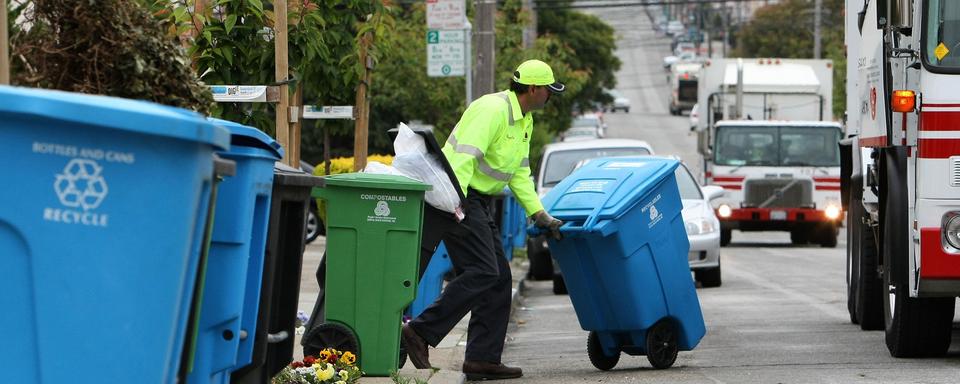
<point>703,227</point>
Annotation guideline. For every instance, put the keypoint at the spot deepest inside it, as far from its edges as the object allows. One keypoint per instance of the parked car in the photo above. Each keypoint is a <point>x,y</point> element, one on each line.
<point>590,120</point>
<point>619,102</point>
<point>558,161</point>
<point>315,226</point>
<point>702,225</point>
<point>675,27</point>
<point>581,133</point>
<point>694,117</point>
<point>686,56</point>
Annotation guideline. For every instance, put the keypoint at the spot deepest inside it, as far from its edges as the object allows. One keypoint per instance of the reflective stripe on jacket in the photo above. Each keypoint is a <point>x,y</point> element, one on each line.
<point>489,149</point>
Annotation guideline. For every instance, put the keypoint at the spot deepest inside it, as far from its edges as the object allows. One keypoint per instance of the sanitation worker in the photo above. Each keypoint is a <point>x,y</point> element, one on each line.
<point>487,150</point>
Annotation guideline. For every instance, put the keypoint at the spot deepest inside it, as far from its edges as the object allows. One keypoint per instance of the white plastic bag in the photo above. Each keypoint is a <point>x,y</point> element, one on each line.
<point>413,161</point>
<point>379,168</point>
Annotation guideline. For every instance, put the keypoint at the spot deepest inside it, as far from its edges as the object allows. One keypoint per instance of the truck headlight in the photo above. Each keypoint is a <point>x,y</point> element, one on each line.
<point>832,212</point>
<point>951,230</point>
<point>724,211</point>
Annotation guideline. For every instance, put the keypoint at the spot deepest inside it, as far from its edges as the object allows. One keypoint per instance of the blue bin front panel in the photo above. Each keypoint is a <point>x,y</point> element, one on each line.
<point>100,234</point>
<point>243,205</point>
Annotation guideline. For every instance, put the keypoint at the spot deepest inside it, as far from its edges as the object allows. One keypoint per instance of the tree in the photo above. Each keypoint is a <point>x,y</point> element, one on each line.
<point>113,48</point>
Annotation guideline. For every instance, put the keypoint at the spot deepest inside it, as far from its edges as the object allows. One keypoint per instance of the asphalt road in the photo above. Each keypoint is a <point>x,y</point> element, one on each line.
<point>780,315</point>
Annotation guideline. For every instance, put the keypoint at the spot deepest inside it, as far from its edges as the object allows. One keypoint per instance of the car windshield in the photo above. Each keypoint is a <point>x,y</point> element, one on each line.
<point>778,146</point>
<point>943,33</point>
<point>560,164</point>
<point>689,189</point>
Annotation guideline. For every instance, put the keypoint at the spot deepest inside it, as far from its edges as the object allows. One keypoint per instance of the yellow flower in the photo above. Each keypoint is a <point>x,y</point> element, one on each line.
<point>340,382</point>
<point>324,354</point>
<point>343,374</point>
<point>326,373</point>
<point>348,358</point>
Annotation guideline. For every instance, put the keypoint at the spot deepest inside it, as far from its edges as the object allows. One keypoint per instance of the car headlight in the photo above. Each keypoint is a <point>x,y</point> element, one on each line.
<point>700,226</point>
<point>951,230</point>
<point>832,212</point>
<point>724,211</point>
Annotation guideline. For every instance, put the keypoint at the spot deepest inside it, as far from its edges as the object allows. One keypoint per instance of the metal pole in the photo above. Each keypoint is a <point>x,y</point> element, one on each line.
<point>739,88</point>
<point>468,62</point>
<point>486,60</point>
<point>4,45</point>
<point>817,8</point>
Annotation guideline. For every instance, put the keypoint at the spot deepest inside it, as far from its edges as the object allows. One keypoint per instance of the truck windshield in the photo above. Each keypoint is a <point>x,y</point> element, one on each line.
<point>942,33</point>
<point>777,146</point>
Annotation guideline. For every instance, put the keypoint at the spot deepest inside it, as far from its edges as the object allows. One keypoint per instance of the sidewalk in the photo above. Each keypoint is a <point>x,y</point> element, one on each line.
<point>446,358</point>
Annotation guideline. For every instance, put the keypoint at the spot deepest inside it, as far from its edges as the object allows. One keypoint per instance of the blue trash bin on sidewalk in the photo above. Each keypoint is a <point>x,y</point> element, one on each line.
<point>624,259</point>
<point>232,278</point>
<point>101,231</point>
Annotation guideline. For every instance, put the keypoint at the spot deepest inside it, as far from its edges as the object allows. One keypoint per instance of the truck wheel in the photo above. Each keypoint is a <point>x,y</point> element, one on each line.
<point>915,327</point>
<point>595,352</point>
<point>708,278</point>
<point>541,267</point>
<point>867,286</point>
<point>799,236</point>
<point>725,237</point>
<point>828,236</point>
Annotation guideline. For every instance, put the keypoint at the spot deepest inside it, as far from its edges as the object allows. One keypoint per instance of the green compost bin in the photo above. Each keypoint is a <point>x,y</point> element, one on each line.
<point>373,255</point>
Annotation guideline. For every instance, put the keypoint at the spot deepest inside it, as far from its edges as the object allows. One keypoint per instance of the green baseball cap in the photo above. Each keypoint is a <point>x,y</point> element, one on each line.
<point>536,72</point>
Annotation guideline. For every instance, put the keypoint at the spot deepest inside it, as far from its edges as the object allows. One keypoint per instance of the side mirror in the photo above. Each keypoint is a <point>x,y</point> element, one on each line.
<point>712,192</point>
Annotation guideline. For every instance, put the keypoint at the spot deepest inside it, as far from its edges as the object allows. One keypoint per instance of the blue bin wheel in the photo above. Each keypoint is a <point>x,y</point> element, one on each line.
<point>662,344</point>
<point>330,335</point>
<point>600,360</point>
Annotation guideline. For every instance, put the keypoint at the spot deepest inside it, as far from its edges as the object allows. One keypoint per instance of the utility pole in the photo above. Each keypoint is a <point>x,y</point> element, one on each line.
<point>530,32</point>
<point>817,8</point>
<point>361,128</point>
<point>4,45</point>
<point>281,74</point>
<point>486,60</point>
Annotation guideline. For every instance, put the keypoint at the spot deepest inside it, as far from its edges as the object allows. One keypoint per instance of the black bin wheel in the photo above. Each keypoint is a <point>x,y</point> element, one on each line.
<point>330,335</point>
<point>597,357</point>
<point>662,345</point>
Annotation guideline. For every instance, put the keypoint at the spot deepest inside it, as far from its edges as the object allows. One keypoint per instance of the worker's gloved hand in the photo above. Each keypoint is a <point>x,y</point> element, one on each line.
<point>543,220</point>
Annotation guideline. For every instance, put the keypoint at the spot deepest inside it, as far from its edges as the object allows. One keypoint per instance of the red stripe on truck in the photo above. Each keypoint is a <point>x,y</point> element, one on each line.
<point>935,263</point>
<point>938,148</point>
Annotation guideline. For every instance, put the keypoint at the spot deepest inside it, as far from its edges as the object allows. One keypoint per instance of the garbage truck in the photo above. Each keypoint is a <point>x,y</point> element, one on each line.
<point>683,86</point>
<point>900,165</point>
<point>766,135</point>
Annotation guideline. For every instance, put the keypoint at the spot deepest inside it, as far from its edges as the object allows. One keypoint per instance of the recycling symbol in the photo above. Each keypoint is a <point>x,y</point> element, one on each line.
<point>81,184</point>
<point>654,212</point>
<point>382,209</point>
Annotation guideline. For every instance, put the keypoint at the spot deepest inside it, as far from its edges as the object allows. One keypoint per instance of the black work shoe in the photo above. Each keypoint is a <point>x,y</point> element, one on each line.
<point>482,370</point>
<point>416,347</point>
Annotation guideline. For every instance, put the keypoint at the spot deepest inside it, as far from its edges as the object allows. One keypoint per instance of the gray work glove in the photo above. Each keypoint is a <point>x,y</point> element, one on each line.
<point>543,220</point>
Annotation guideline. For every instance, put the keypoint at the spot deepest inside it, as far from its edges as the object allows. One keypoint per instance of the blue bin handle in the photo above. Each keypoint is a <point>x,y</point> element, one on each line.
<point>591,221</point>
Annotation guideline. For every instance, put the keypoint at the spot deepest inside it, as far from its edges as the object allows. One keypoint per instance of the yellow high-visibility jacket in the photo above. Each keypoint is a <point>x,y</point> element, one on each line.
<point>490,147</point>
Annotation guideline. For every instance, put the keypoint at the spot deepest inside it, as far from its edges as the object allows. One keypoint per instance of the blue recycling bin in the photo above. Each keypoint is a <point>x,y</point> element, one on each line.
<point>431,283</point>
<point>624,259</point>
<point>230,289</point>
<point>101,231</point>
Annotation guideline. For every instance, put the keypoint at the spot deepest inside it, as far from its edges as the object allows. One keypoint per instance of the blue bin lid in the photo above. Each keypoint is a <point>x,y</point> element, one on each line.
<point>606,188</point>
<point>112,112</point>
<point>247,136</point>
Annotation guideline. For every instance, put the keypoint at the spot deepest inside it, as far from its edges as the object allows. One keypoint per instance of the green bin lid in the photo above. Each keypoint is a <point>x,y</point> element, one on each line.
<point>376,181</point>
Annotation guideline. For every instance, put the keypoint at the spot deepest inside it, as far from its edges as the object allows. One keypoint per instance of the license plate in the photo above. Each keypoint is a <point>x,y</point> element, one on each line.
<point>778,215</point>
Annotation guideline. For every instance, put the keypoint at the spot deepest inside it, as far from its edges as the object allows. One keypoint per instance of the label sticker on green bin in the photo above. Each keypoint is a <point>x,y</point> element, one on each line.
<point>381,212</point>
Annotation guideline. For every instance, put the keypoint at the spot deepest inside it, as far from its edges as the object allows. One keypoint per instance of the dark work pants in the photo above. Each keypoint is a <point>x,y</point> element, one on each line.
<point>482,285</point>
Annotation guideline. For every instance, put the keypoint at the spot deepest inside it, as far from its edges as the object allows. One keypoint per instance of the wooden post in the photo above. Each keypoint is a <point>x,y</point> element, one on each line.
<point>4,45</point>
<point>362,108</point>
<point>297,107</point>
<point>280,53</point>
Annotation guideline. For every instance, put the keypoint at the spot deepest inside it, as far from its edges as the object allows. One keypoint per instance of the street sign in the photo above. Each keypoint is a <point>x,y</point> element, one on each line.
<point>241,93</point>
<point>446,53</point>
<point>446,14</point>
<point>334,112</point>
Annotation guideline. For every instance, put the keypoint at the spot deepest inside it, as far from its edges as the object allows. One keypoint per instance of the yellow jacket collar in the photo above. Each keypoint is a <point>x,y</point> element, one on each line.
<point>515,106</point>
